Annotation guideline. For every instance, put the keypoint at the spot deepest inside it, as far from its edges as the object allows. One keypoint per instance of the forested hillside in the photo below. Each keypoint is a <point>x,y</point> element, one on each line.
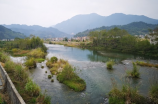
<point>6,33</point>
<point>135,28</point>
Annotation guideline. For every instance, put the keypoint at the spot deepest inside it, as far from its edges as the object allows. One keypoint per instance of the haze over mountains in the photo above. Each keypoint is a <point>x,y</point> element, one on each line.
<point>6,33</point>
<point>36,30</point>
<point>81,23</point>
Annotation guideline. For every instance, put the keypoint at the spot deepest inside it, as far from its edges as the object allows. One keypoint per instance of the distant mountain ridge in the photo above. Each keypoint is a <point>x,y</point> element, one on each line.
<point>80,23</point>
<point>36,30</point>
<point>134,28</point>
<point>6,33</point>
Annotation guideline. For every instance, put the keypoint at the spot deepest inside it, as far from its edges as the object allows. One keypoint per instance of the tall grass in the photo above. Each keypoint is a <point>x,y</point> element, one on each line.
<point>37,53</point>
<point>30,63</point>
<point>32,88</point>
<point>153,92</point>
<point>135,71</point>
<point>110,64</point>
<point>71,79</point>
<point>125,95</point>
<point>4,57</point>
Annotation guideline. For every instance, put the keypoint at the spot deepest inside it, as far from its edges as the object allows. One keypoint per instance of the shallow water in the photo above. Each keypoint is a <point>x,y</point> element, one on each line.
<point>91,66</point>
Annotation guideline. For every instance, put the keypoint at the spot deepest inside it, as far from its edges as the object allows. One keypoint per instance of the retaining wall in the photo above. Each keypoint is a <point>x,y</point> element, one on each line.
<point>9,87</point>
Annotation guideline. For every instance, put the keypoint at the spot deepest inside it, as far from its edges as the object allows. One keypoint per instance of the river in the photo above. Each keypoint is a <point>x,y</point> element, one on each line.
<point>91,66</point>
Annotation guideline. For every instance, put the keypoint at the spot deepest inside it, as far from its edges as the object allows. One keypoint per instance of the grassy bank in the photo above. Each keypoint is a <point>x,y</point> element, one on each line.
<point>66,74</point>
<point>29,90</point>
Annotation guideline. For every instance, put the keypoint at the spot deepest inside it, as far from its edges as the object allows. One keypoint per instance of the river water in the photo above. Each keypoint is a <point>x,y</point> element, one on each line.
<point>91,66</point>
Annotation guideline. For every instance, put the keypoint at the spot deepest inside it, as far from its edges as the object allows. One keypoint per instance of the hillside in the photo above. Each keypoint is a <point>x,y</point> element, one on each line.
<point>6,33</point>
<point>36,30</point>
<point>89,21</point>
<point>135,28</point>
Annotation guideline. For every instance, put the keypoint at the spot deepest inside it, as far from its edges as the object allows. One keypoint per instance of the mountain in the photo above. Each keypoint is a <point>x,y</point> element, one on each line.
<point>134,28</point>
<point>89,21</point>
<point>36,30</point>
<point>6,33</point>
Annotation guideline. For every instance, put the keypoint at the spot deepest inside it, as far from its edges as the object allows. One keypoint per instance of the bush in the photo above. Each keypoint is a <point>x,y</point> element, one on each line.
<point>19,73</point>
<point>154,92</point>
<point>30,63</point>
<point>4,57</point>
<point>49,76</point>
<point>52,80</point>
<point>32,88</point>
<point>135,72</point>
<point>110,64</point>
<point>70,78</point>
<point>9,66</point>
<point>37,53</point>
<point>44,99</point>
<point>54,59</point>
<point>127,95</point>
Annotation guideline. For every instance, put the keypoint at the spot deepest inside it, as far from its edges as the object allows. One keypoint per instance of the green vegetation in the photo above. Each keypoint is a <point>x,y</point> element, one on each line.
<point>127,95</point>
<point>37,53</point>
<point>119,40</point>
<point>153,93</point>
<point>54,59</point>
<point>141,63</point>
<point>6,33</point>
<point>66,74</point>
<point>32,88</point>
<point>49,76</point>
<point>30,63</point>
<point>70,78</point>
<point>135,72</point>
<point>110,64</point>
<point>135,28</point>
<point>29,90</point>
<point>52,80</point>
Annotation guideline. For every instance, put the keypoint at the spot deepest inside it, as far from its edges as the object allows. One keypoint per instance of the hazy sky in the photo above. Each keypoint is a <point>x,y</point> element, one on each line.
<point>50,12</point>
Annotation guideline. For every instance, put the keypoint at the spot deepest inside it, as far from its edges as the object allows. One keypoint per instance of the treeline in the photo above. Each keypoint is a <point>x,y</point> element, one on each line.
<point>31,42</point>
<point>120,40</point>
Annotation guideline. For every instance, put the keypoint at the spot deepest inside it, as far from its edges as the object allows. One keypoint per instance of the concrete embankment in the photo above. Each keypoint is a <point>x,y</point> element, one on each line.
<point>9,87</point>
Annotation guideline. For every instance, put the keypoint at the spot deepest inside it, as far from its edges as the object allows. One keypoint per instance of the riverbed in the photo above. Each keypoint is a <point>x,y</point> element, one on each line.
<point>91,66</point>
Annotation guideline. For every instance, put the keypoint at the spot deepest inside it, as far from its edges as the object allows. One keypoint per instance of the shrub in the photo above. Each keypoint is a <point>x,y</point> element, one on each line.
<point>135,72</point>
<point>110,64</point>
<point>4,57</point>
<point>32,88</point>
<point>54,59</point>
<point>9,66</point>
<point>30,63</point>
<point>39,60</point>
<point>127,95</point>
<point>49,76</point>
<point>154,92</point>
<point>44,99</point>
<point>42,67</point>
<point>70,78</point>
<point>49,64</point>
<point>19,73</point>
<point>37,53</point>
<point>45,71</point>
<point>52,80</point>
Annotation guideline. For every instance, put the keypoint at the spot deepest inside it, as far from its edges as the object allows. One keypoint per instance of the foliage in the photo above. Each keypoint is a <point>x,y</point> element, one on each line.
<point>37,53</point>
<point>32,88</point>
<point>6,33</point>
<point>52,80</point>
<point>110,64</point>
<point>49,76</point>
<point>70,78</point>
<point>31,42</point>
<point>135,28</point>
<point>54,59</point>
<point>119,40</point>
<point>9,66</point>
<point>4,57</point>
<point>127,95</point>
<point>135,71</point>
<point>30,63</point>
<point>44,99</point>
<point>154,92</point>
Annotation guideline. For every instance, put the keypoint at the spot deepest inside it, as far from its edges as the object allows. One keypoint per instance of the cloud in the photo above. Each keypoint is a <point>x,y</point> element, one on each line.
<point>51,12</point>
